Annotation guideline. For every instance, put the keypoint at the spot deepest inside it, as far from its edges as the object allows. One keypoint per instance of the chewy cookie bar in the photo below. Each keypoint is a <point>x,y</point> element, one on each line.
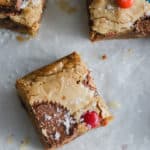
<point>21,15</point>
<point>109,19</point>
<point>62,101</point>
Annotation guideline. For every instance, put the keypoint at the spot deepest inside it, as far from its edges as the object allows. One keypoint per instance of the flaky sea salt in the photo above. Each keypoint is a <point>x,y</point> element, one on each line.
<point>130,24</point>
<point>57,136</point>
<point>47,117</point>
<point>67,123</point>
<point>24,4</point>
<point>58,110</point>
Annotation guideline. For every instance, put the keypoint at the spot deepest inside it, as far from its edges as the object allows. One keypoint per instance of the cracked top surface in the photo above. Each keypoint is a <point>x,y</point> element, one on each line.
<point>107,17</point>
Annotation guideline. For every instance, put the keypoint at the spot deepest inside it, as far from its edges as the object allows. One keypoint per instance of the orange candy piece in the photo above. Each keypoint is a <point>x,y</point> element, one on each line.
<point>125,3</point>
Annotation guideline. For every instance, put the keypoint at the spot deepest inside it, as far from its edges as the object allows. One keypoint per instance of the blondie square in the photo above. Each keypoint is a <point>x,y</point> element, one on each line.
<point>62,101</point>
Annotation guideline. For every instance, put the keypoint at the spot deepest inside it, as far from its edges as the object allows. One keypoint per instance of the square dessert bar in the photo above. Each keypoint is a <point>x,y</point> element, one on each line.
<point>62,101</point>
<point>24,15</point>
<point>110,19</point>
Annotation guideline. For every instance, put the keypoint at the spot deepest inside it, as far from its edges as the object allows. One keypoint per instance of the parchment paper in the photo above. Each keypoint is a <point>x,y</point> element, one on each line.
<point>123,78</point>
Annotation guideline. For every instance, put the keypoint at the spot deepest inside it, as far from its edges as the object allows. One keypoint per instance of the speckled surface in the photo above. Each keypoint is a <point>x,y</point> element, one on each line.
<point>122,77</point>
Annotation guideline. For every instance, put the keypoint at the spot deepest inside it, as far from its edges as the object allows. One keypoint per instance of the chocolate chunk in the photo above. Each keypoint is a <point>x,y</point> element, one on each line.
<point>143,26</point>
<point>54,122</point>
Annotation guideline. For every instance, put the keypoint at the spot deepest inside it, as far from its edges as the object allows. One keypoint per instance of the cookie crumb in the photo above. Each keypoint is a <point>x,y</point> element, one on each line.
<point>24,143</point>
<point>57,136</point>
<point>130,51</point>
<point>47,117</point>
<point>104,57</point>
<point>20,38</point>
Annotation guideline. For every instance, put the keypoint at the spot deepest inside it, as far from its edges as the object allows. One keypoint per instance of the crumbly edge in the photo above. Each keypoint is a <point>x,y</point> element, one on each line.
<point>95,36</point>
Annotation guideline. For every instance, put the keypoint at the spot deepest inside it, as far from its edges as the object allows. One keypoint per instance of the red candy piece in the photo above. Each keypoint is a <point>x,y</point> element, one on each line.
<point>91,118</point>
<point>125,3</point>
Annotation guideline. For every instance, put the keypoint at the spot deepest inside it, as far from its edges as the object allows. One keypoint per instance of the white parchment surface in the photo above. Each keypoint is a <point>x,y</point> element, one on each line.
<point>123,78</point>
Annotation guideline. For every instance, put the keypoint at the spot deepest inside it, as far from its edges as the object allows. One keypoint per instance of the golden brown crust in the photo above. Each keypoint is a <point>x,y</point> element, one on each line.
<point>65,85</point>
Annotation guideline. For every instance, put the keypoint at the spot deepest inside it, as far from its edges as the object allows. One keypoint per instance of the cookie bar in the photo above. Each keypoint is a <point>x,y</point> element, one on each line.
<point>110,19</point>
<point>62,100</point>
<point>27,20</point>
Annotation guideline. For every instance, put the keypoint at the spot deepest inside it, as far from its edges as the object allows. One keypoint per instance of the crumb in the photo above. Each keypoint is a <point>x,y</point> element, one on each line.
<point>24,143</point>
<point>104,57</point>
<point>20,38</point>
<point>114,104</point>
<point>57,136</point>
<point>10,139</point>
<point>65,6</point>
<point>130,51</point>
<point>124,147</point>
